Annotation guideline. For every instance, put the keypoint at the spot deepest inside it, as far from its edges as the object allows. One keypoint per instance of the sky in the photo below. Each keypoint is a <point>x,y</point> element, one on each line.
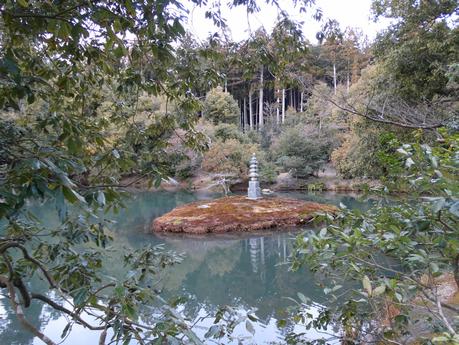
<point>349,13</point>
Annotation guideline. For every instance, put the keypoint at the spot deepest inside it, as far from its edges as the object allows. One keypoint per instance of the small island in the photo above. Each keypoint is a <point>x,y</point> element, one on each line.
<point>238,213</point>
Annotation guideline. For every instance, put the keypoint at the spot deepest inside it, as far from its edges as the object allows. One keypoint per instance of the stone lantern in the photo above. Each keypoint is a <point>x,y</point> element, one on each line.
<point>254,191</point>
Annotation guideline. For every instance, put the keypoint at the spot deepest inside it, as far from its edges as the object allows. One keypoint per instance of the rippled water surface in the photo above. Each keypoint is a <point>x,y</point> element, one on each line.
<point>246,271</point>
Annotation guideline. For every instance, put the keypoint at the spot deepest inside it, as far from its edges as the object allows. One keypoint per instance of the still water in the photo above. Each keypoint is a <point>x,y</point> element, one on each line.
<point>247,271</point>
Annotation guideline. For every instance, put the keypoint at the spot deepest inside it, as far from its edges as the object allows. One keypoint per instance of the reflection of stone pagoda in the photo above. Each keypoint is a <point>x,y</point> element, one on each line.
<point>254,191</point>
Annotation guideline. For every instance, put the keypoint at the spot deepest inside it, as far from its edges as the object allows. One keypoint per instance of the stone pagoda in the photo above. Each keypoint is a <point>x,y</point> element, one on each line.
<point>254,191</point>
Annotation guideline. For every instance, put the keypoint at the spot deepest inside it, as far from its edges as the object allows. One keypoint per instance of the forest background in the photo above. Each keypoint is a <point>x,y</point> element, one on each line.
<point>96,96</point>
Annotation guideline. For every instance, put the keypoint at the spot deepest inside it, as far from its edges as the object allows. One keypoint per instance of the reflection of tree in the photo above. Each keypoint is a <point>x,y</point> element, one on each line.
<point>243,273</point>
<point>221,262</point>
<point>198,252</point>
<point>241,270</point>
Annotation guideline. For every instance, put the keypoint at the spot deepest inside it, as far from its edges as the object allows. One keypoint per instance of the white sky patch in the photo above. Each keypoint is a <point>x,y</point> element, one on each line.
<point>349,13</point>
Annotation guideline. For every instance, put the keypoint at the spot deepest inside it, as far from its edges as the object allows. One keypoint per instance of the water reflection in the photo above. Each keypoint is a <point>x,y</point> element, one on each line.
<point>245,271</point>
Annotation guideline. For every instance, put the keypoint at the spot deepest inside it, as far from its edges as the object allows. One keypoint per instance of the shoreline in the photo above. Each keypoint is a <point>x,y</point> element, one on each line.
<point>207,183</point>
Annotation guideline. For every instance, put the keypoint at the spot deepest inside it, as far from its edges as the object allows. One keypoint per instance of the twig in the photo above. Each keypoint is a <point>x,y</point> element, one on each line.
<point>73,315</point>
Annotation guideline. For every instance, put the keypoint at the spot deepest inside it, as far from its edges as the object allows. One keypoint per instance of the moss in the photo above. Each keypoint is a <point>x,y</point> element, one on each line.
<point>237,213</point>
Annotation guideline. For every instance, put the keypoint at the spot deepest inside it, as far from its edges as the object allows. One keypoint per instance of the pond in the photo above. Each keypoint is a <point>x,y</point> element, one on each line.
<point>247,271</point>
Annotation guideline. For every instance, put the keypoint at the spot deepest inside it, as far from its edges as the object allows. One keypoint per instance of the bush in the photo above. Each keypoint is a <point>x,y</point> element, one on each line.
<point>226,131</point>
<point>301,151</point>
<point>364,148</point>
<point>220,107</point>
<point>268,172</point>
<point>230,157</point>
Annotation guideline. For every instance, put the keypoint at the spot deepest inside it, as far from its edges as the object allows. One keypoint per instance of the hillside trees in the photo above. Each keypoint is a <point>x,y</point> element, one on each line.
<point>71,78</point>
<point>407,87</point>
<point>290,62</point>
<point>414,57</point>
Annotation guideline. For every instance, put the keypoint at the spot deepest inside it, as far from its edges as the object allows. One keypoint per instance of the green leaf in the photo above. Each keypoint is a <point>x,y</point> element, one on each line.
<point>10,66</point>
<point>281,323</point>
<point>119,291</point>
<point>129,311</point>
<point>66,330</point>
<point>101,198</point>
<point>81,296</point>
<point>212,331</point>
<point>303,298</point>
<point>23,3</point>
<point>379,290</point>
<point>117,26</point>
<point>72,196</point>
<point>434,267</point>
<point>252,317</point>
<point>367,285</point>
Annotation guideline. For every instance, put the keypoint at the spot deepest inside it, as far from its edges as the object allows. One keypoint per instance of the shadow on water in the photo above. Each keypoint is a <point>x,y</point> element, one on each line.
<point>247,271</point>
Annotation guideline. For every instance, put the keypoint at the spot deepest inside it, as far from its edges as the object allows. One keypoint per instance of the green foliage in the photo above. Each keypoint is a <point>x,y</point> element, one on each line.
<point>398,251</point>
<point>418,49</point>
<point>367,142</point>
<point>230,157</point>
<point>73,83</point>
<point>366,151</point>
<point>268,172</point>
<point>80,88</point>
<point>220,107</point>
<point>300,152</point>
<point>225,131</point>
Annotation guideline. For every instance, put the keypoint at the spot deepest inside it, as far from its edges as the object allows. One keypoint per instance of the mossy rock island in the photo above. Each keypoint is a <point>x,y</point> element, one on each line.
<point>238,213</point>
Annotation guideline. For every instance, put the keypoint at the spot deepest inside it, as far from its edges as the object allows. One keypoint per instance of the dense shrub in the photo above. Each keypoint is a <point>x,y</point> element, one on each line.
<point>302,151</point>
<point>226,131</point>
<point>268,172</point>
<point>365,147</point>
<point>230,157</point>
<point>220,106</point>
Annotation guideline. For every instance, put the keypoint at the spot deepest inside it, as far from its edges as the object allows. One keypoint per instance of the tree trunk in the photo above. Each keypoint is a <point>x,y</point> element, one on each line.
<point>320,125</point>
<point>256,114</point>
<point>348,82</point>
<point>244,112</point>
<point>301,101</point>
<point>334,77</point>
<point>283,105</point>
<point>277,110</point>
<point>250,111</point>
<point>260,107</point>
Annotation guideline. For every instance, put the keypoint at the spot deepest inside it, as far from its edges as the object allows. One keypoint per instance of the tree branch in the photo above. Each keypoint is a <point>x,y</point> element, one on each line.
<point>73,315</point>
<point>20,313</point>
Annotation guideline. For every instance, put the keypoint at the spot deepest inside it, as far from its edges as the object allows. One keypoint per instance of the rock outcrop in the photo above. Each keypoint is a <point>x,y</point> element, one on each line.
<point>237,213</point>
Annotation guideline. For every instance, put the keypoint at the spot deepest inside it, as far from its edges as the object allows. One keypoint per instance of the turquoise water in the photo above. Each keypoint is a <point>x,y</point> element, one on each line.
<point>246,271</point>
